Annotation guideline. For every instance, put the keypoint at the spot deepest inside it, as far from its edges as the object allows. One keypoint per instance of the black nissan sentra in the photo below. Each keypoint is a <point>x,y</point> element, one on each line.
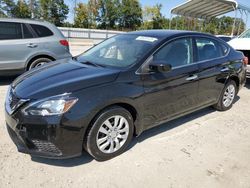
<point>100,99</point>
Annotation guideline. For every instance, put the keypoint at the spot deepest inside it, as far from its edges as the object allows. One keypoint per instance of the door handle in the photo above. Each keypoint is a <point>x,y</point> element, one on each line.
<point>192,77</point>
<point>31,45</point>
<point>224,69</point>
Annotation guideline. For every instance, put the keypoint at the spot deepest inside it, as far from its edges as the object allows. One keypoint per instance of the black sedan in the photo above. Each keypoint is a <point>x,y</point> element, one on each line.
<point>99,100</point>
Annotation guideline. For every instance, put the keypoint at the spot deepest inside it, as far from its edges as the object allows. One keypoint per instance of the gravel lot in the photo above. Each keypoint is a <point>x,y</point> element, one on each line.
<point>204,149</point>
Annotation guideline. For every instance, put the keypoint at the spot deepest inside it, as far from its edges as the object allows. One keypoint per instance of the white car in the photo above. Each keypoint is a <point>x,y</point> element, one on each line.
<point>242,43</point>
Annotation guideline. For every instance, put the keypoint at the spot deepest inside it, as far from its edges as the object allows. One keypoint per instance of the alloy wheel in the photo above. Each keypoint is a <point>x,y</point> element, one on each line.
<point>229,95</point>
<point>112,134</point>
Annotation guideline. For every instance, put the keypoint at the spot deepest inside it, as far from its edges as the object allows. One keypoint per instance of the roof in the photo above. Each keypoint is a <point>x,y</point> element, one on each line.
<point>23,20</point>
<point>162,33</point>
<point>208,8</point>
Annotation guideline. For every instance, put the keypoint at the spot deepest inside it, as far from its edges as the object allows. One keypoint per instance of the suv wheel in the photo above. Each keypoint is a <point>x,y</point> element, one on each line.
<point>110,133</point>
<point>227,97</point>
<point>39,62</point>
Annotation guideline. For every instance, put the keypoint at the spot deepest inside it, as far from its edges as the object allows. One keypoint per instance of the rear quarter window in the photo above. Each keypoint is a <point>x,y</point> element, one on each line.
<point>10,30</point>
<point>224,49</point>
<point>41,31</point>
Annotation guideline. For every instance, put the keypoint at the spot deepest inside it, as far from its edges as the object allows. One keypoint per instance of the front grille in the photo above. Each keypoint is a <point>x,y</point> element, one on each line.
<point>45,146</point>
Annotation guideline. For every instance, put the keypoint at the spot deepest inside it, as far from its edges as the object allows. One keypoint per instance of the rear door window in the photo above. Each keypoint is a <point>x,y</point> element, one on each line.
<point>208,49</point>
<point>10,30</point>
<point>41,31</point>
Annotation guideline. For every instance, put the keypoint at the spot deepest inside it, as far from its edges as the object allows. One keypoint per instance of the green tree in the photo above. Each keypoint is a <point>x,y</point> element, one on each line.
<point>2,14</point>
<point>131,14</point>
<point>82,16</point>
<point>21,10</point>
<point>153,18</point>
<point>93,8</point>
<point>108,13</point>
<point>54,11</point>
<point>6,7</point>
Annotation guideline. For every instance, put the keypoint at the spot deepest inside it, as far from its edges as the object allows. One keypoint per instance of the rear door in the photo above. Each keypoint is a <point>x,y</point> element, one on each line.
<point>171,93</point>
<point>15,45</point>
<point>51,40</point>
<point>213,68</point>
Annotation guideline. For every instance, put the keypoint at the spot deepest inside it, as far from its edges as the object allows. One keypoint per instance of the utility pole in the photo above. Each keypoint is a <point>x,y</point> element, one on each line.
<point>75,2</point>
<point>32,8</point>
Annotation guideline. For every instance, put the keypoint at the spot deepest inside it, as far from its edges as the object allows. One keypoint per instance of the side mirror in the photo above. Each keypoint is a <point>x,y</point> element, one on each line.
<point>160,66</point>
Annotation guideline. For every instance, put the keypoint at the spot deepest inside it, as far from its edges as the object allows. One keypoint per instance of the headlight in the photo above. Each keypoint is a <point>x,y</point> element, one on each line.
<point>50,106</point>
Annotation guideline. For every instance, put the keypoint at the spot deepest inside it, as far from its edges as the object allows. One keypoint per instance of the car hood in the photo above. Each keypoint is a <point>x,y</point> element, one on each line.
<point>240,43</point>
<point>60,77</point>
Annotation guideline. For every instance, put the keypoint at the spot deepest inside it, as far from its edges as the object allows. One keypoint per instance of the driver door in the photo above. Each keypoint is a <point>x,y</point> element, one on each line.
<point>170,94</point>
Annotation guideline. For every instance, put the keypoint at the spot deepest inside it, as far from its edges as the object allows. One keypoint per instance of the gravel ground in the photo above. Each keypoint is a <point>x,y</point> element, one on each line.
<point>204,149</point>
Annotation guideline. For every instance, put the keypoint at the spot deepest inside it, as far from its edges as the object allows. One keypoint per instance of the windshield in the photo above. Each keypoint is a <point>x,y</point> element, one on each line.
<point>119,51</point>
<point>246,34</point>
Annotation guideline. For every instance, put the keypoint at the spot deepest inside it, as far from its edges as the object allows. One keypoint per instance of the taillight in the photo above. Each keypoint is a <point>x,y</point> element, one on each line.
<point>64,42</point>
<point>245,60</point>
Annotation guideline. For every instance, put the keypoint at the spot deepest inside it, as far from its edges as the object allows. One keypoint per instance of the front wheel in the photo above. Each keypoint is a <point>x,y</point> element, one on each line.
<point>110,133</point>
<point>227,97</point>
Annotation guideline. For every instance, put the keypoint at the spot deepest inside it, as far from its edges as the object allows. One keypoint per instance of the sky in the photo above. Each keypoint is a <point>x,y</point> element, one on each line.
<point>167,5</point>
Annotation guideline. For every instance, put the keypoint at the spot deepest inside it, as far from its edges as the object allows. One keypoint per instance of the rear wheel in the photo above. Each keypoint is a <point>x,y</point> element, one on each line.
<point>110,133</point>
<point>227,97</point>
<point>39,62</point>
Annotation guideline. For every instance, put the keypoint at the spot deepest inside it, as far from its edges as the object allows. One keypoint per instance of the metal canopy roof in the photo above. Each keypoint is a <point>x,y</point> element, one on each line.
<point>206,9</point>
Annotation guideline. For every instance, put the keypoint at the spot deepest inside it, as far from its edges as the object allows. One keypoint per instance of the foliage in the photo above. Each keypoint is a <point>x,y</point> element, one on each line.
<point>131,14</point>
<point>6,7</point>
<point>153,18</point>
<point>93,8</point>
<point>108,14</point>
<point>54,11</point>
<point>21,10</point>
<point>82,16</point>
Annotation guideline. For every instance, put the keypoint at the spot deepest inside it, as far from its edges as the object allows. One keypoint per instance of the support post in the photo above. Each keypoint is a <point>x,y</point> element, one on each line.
<point>176,22</point>
<point>194,24</point>
<point>235,10</point>
<point>183,24</point>
<point>238,32</point>
<point>246,18</point>
<point>169,27</point>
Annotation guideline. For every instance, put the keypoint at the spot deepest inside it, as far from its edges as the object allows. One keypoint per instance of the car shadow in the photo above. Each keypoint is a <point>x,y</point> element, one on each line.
<point>6,80</point>
<point>171,125</point>
<point>76,161</point>
<point>174,123</point>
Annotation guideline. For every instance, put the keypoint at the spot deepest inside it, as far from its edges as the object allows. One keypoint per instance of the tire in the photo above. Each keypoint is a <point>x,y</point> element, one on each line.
<point>229,92</point>
<point>103,131</point>
<point>38,62</point>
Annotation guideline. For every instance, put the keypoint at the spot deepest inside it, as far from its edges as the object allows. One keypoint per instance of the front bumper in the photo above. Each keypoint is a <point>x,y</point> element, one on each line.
<point>45,136</point>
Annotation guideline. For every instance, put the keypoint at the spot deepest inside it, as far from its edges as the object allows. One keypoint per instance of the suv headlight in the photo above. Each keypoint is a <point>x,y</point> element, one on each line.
<point>56,105</point>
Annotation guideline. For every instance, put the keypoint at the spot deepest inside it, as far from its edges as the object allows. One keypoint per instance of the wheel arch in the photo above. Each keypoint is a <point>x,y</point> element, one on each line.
<point>236,80</point>
<point>37,57</point>
<point>127,106</point>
